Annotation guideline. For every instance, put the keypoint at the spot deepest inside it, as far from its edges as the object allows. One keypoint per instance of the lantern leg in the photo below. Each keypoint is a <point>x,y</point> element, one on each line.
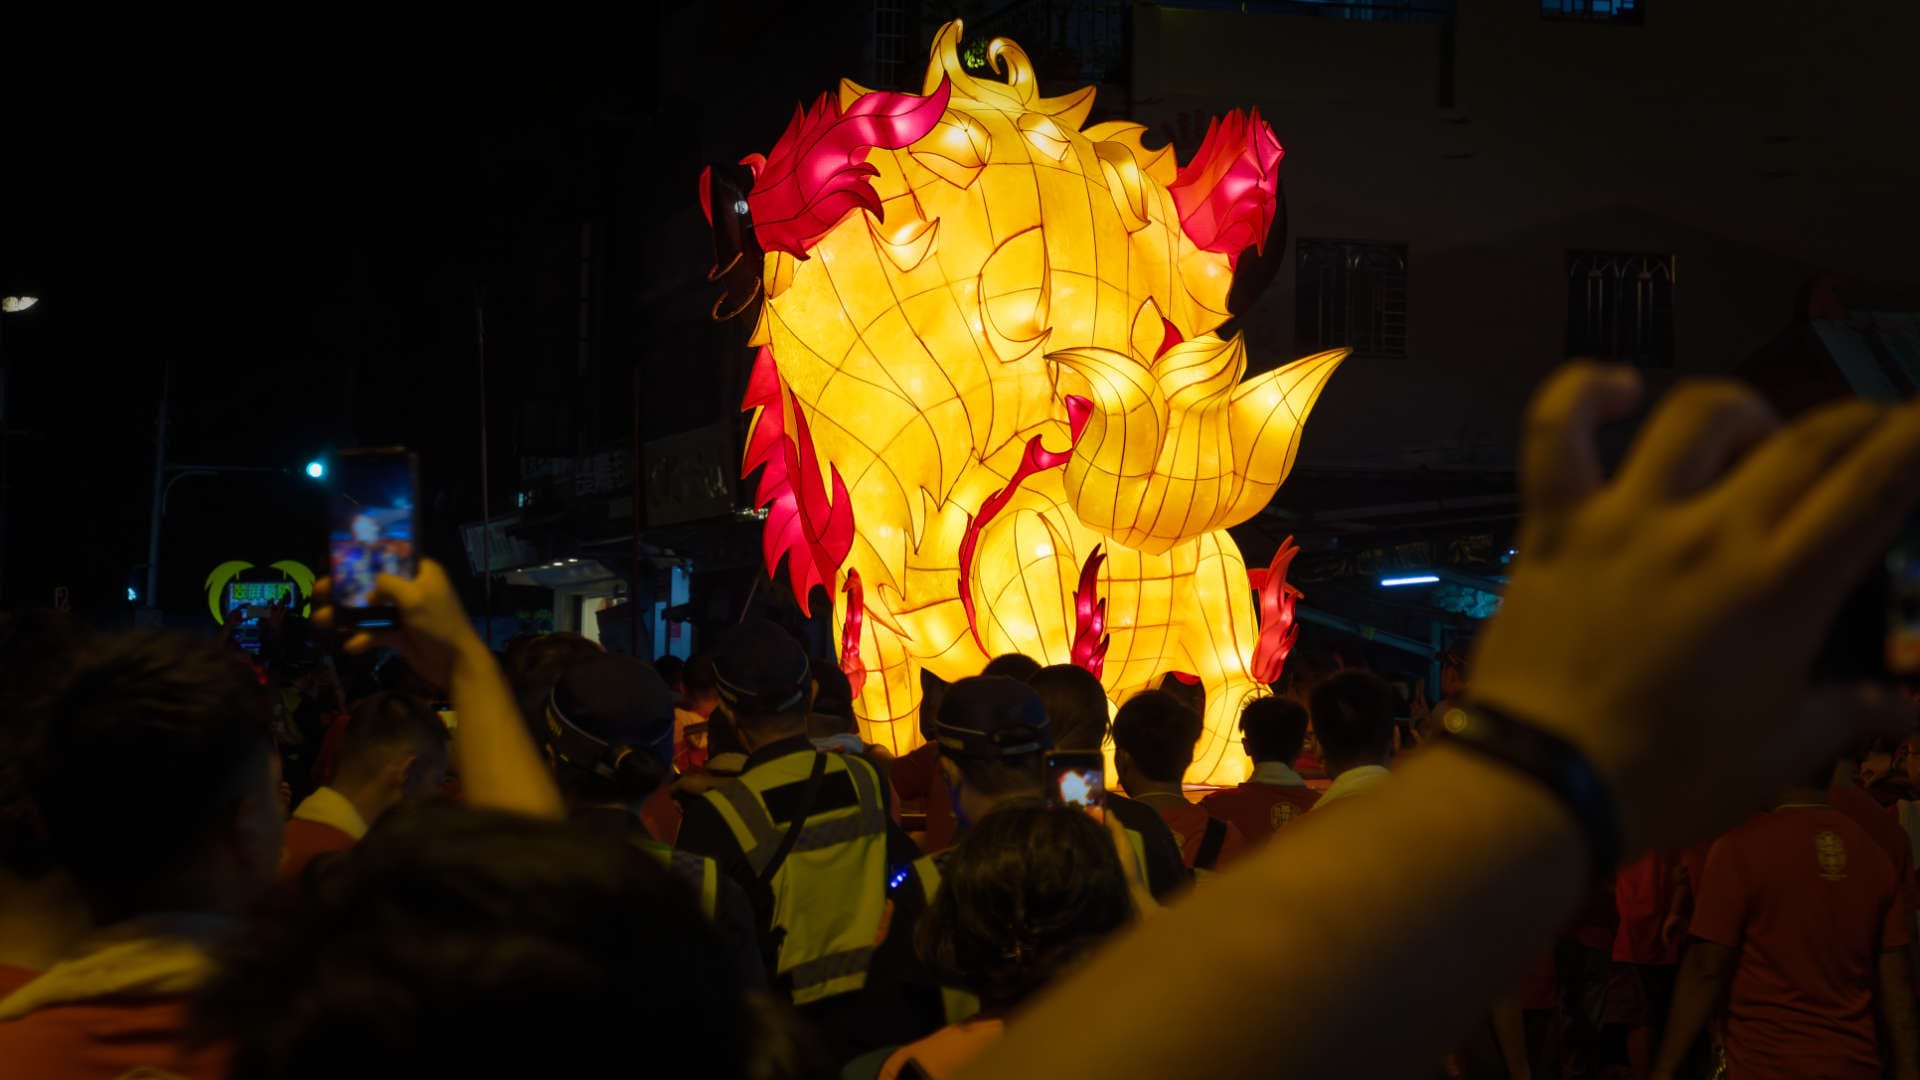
<point>1219,634</point>
<point>888,707</point>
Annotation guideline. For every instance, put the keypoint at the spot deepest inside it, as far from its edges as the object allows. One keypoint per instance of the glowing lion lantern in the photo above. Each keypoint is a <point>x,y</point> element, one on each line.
<point>991,413</point>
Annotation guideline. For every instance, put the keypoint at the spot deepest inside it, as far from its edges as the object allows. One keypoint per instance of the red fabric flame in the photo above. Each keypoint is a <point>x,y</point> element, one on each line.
<point>817,172</point>
<point>850,663</point>
<point>1170,334</point>
<point>1036,458</point>
<point>1226,194</point>
<point>706,193</point>
<point>815,533</point>
<point>1278,631</point>
<point>1090,637</point>
<point>1185,678</point>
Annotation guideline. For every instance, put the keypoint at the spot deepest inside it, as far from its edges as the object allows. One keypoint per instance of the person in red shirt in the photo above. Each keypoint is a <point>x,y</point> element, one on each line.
<point>161,796</point>
<point>917,777</point>
<point>1153,737</point>
<point>1271,731</point>
<point>692,717</point>
<point>394,752</point>
<point>1801,928</point>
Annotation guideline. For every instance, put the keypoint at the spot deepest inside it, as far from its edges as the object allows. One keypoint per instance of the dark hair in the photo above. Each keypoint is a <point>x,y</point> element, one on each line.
<point>1158,732</point>
<point>396,676</point>
<point>1353,717</point>
<point>1012,665</point>
<point>933,691</point>
<point>697,676</point>
<point>151,741</point>
<point>1027,892</point>
<point>670,668</point>
<point>1010,775</point>
<point>36,649</point>
<point>1191,694</point>
<point>385,725</point>
<point>455,941</point>
<point>1275,728</point>
<point>832,712</point>
<point>1076,706</point>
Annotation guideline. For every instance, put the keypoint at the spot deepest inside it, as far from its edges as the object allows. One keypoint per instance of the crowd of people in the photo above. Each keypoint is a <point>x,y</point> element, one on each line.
<point>1628,840</point>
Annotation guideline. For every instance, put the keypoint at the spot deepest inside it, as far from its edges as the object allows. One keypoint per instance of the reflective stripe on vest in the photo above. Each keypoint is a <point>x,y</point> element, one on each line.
<point>829,893</point>
<point>958,1004</point>
<point>698,871</point>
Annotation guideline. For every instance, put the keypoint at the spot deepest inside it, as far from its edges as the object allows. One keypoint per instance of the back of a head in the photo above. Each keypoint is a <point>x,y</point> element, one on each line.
<point>670,667</point>
<point>1158,733</point>
<point>609,727</point>
<point>465,942</point>
<point>387,726</point>
<point>1076,706</point>
<point>1027,892</point>
<point>1353,717</point>
<point>1274,729</point>
<point>1013,665</point>
<point>763,679</point>
<point>153,740</point>
<point>696,680</point>
<point>36,649</point>
<point>996,731</point>
<point>832,711</point>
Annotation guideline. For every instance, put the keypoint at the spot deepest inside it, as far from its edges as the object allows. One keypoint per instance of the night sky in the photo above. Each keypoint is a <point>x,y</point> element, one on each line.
<point>304,229</point>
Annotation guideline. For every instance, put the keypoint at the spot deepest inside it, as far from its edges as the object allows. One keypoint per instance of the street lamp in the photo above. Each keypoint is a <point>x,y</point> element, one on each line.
<point>9,305</point>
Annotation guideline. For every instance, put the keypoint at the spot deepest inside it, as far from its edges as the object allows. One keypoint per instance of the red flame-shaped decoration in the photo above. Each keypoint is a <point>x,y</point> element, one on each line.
<point>815,533</point>
<point>850,663</point>
<point>1090,637</point>
<point>1226,194</point>
<point>1278,631</point>
<point>1036,458</point>
<point>817,171</point>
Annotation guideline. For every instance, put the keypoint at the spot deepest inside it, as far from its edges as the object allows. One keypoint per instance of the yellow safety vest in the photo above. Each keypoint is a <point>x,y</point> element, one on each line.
<point>696,870</point>
<point>830,892</point>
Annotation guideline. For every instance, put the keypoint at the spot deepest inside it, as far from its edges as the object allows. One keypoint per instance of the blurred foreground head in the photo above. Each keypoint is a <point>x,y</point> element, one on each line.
<point>457,942</point>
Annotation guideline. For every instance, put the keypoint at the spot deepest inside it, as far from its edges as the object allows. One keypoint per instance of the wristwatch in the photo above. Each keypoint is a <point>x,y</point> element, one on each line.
<point>1551,761</point>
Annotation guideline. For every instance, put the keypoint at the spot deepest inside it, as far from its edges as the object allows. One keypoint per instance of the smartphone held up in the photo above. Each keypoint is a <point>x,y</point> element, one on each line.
<point>1077,778</point>
<point>373,530</point>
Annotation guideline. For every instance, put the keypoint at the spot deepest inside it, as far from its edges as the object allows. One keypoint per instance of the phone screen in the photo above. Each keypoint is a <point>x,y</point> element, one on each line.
<point>1076,778</point>
<point>372,530</point>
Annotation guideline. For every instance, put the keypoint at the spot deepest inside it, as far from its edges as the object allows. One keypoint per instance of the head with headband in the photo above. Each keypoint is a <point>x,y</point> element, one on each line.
<point>764,681</point>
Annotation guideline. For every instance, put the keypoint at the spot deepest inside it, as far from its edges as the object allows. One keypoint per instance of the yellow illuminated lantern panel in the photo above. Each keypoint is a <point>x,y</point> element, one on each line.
<point>991,412</point>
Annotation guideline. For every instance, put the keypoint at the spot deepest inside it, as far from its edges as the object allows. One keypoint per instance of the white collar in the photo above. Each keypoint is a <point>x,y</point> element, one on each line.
<point>1352,782</point>
<point>1276,774</point>
<point>328,807</point>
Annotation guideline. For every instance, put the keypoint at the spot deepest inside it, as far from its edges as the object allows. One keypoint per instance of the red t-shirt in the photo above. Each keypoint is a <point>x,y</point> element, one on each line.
<point>1810,901</point>
<point>1883,824</point>
<point>1189,825</point>
<point>918,781</point>
<point>107,1041</point>
<point>306,840</point>
<point>1258,809</point>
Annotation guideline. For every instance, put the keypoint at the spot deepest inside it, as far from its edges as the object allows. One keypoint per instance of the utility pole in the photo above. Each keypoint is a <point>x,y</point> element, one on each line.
<point>152,617</point>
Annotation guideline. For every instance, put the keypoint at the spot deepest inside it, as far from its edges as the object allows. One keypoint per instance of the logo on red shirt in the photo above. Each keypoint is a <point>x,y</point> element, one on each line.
<point>1832,855</point>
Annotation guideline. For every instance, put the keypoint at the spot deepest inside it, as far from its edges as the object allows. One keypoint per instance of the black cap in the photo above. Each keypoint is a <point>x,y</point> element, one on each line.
<point>989,716</point>
<point>760,670</point>
<point>604,703</point>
